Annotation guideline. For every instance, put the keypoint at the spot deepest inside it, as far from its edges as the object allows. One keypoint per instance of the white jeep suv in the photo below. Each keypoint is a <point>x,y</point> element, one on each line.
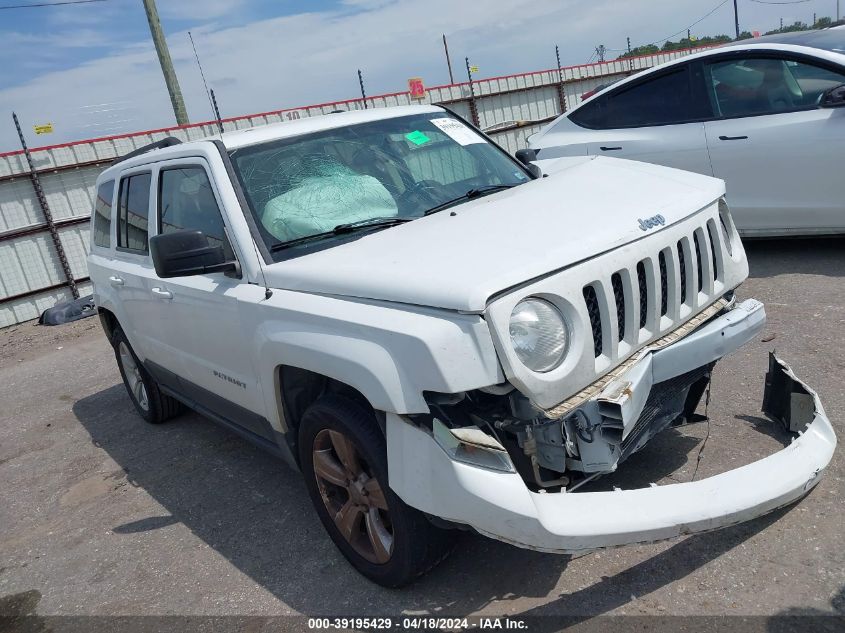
<point>435,334</point>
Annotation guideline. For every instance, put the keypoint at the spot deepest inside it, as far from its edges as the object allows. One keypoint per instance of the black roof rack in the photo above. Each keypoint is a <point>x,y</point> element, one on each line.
<point>165,142</point>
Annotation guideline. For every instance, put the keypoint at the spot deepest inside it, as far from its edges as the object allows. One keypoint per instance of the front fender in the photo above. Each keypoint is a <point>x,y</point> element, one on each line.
<point>391,353</point>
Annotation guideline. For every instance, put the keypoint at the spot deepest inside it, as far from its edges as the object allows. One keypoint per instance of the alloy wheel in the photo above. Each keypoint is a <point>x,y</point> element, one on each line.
<point>133,377</point>
<point>353,496</point>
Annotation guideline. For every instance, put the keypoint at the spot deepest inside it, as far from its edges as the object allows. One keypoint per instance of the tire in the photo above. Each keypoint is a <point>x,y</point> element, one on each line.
<point>416,545</point>
<point>151,404</point>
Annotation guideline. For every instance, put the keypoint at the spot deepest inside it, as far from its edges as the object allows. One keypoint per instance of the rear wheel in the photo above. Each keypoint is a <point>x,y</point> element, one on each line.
<point>151,404</point>
<point>344,461</point>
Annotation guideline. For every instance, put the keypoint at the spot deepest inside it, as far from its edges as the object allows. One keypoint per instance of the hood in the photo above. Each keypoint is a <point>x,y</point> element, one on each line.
<point>586,206</point>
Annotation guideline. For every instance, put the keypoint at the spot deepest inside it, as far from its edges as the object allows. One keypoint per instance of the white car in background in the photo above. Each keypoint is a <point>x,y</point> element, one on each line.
<point>766,115</point>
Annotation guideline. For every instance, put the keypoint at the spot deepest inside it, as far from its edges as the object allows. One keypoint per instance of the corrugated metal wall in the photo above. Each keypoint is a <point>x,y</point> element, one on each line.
<point>31,278</point>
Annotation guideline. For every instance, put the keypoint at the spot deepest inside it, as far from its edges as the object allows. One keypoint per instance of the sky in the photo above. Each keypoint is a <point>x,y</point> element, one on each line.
<point>91,69</point>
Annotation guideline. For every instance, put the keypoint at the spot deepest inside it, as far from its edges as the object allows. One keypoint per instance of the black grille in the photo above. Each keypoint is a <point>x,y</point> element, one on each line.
<point>619,296</point>
<point>664,285</point>
<point>592,301</point>
<point>641,281</point>
<point>712,233</point>
<point>698,261</point>
<point>682,262</point>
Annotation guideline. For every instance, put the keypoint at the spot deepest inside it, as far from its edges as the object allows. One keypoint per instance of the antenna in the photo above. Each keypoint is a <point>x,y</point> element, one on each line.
<point>202,74</point>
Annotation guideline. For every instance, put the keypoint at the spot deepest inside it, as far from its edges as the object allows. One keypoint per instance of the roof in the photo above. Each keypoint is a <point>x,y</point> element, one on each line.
<point>274,131</point>
<point>832,39</point>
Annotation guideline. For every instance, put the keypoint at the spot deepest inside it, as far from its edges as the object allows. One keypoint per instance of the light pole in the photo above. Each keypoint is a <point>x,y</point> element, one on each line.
<point>166,63</point>
<point>736,19</point>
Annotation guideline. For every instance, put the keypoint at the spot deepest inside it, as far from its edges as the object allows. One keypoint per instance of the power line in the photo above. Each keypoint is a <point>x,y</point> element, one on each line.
<point>48,4</point>
<point>701,19</point>
<point>787,2</point>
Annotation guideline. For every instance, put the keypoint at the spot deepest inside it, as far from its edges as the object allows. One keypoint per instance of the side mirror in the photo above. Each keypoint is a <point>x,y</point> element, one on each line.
<point>526,157</point>
<point>185,253</point>
<point>833,98</point>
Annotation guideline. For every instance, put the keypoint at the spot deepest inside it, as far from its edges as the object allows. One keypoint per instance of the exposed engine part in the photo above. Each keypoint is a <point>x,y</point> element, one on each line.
<point>529,446</point>
<point>498,390</point>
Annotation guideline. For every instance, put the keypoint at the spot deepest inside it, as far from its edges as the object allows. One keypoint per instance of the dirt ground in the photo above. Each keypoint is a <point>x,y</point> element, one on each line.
<point>101,514</point>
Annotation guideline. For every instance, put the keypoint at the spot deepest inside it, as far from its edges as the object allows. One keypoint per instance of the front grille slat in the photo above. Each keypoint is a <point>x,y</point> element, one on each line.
<point>643,287</point>
<point>593,309</point>
<point>619,297</point>
<point>698,256</point>
<point>682,262</point>
<point>664,285</point>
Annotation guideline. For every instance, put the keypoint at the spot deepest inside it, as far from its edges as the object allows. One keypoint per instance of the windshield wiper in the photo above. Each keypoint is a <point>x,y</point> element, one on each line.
<point>470,195</point>
<point>368,224</point>
<point>341,229</point>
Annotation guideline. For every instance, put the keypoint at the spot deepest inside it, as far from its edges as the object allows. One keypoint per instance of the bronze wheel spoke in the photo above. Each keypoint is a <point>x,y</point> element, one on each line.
<point>380,538</point>
<point>348,520</point>
<point>375,495</point>
<point>345,452</point>
<point>327,467</point>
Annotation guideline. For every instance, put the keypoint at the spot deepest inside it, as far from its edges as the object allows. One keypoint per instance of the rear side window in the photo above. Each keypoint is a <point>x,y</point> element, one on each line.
<point>133,212</point>
<point>186,201</point>
<point>664,100</point>
<point>102,214</point>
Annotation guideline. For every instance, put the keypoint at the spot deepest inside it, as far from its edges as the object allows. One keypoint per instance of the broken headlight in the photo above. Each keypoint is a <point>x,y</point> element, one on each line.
<point>539,334</point>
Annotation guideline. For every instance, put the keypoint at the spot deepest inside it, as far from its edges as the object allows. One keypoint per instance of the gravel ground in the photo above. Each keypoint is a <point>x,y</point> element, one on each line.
<point>102,514</point>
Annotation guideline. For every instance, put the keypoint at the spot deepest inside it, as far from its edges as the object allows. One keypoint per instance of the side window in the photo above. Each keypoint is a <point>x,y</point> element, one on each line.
<point>663,100</point>
<point>102,214</point>
<point>186,201</point>
<point>766,85</point>
<point>133,212</point>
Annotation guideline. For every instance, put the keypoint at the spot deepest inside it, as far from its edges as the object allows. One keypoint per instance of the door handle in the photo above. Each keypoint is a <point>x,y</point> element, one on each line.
<point>733,138</point>
<point>115,281</point>
<point>609,149</point>
<point>162,294</point>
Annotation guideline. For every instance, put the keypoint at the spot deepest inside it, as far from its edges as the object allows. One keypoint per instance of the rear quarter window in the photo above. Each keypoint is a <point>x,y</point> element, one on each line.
<point>102,214</point>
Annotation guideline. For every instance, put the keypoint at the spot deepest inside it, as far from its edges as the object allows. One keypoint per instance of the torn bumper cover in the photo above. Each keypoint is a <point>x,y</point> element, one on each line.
<point>500,505</point>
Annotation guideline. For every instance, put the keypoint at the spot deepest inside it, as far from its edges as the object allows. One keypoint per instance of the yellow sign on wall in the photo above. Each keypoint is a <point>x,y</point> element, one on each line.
<point>47,128</point>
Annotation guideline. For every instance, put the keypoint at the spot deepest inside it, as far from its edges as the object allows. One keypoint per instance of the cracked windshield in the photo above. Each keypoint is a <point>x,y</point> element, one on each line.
<point>360,178</point>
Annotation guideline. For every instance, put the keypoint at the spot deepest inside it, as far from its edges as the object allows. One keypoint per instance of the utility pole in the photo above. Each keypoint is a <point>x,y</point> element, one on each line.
<point>216,110</point>
<point>361,83</point>
<point>473,107</point>
<point>561,94</point>
<point>166,63</point>
<point>448,61</point>
<point>45,209</point>
<point>781,24</point>
<point>736,19</point>
<point>630,59</point>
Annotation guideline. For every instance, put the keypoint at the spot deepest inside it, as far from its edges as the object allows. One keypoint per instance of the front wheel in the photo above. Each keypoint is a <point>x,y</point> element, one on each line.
<point>344,460</point>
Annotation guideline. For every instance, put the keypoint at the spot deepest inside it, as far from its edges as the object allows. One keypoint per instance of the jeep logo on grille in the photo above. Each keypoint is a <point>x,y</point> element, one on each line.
<point>650,223</point>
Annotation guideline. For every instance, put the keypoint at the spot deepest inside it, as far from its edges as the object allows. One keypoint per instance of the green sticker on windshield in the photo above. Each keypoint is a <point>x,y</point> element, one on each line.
<point>417,138</point>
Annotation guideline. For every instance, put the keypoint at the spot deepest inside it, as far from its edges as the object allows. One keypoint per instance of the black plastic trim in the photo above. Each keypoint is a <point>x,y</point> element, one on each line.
<point>251,426</point>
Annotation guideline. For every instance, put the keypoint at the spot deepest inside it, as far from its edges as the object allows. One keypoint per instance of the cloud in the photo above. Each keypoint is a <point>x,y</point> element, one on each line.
<point>196,11</point>
<point>313,56</point>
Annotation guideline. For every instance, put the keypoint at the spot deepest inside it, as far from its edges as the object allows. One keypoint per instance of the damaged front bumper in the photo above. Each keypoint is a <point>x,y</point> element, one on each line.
<point>500,505</point>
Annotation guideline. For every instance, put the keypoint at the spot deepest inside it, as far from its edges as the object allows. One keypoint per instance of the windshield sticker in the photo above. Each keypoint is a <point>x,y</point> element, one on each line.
<point>457,131</point>
<point>417,138</point>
